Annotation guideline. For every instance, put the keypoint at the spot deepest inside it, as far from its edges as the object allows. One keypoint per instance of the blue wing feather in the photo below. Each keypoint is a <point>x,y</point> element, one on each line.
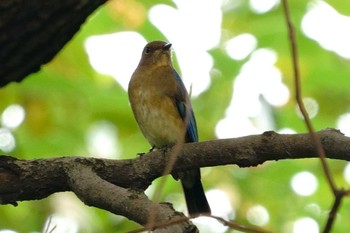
<point>180,100</point>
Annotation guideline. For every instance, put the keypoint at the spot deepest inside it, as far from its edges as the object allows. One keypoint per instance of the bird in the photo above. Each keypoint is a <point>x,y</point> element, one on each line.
<point>162,108</point>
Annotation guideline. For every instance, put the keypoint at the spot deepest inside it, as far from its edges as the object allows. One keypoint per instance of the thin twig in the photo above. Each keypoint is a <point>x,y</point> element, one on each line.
<point>338,193</point>
<point>299,100</point>
<point>238,226</point>
<point>334,210</point>
<point>175,150</point>
<point>47,230</point>
<point>169,166</point>
<point>230,224</point>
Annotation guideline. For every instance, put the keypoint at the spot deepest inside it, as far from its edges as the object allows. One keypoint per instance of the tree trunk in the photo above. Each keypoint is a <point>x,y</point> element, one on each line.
<point>33,32</point>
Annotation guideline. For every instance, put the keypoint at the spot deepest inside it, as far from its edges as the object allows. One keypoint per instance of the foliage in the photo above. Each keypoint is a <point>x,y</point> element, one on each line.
<point>67,96</point>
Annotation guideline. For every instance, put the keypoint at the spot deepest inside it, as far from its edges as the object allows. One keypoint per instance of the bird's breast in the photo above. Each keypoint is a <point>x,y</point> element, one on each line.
<point>158,117</point>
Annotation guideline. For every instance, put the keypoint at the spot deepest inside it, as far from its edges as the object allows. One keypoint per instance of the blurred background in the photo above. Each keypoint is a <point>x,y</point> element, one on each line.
<point>234,55</point>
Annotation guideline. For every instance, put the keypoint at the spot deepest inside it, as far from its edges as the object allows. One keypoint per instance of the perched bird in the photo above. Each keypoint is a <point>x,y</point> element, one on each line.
<point>163,111</point>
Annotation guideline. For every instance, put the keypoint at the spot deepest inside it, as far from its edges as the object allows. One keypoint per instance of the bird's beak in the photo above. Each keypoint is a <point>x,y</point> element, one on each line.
<point>167,46</point>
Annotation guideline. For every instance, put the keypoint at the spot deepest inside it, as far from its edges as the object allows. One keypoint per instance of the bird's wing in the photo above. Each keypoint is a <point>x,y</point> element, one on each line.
<point>185,110</point>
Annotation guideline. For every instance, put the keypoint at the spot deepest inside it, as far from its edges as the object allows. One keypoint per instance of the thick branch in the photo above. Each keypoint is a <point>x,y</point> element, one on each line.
<point>129,203</point>
<point>32,32</point>
<point>36,179</point>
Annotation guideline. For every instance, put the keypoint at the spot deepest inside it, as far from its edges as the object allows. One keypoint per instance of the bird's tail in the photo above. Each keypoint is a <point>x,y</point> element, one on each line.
<point>195,198</point>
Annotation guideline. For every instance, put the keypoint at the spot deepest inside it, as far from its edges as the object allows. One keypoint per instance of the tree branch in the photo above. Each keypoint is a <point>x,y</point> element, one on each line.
<point>129,203</point>
<point>124,180</point>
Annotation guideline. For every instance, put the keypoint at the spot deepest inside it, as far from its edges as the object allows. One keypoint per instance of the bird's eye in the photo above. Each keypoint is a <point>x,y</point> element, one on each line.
<point>147,50</point>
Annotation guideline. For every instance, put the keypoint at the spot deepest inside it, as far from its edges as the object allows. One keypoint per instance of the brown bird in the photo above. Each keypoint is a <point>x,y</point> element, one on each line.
<point>163,111</point>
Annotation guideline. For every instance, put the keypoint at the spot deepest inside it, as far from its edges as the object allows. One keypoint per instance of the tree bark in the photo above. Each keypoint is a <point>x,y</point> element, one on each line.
<point>33,32</point>
<point>123,181</point>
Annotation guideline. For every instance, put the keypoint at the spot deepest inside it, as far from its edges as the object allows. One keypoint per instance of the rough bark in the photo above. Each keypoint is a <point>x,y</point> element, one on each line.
<point>123,181</point>
<point>33,32</point>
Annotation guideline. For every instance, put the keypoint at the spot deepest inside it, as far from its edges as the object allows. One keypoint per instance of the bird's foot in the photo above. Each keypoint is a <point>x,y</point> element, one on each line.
<point>141,154</point>
<point>152,148</point>
<point>166,149</point>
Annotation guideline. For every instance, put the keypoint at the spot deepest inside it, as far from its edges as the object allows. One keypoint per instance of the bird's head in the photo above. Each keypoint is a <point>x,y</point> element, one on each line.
<point>156,53</point>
